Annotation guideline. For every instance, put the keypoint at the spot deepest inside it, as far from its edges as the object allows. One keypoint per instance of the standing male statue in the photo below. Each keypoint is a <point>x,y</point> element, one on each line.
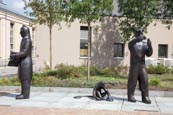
<point>139,47</point>
<point>25,62</point>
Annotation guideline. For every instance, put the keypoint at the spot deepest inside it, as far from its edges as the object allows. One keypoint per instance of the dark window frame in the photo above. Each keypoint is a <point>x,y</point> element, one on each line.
<point>119,55</point>
<point>83,45</point>
<point>163,53</point>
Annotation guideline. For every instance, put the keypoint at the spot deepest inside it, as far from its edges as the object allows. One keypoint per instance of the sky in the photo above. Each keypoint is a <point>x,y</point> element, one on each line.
<point>15,5</point>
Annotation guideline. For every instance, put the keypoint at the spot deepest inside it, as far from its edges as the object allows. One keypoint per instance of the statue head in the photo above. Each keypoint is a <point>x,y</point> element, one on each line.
<point>138,32</point>
<point>24,31</point>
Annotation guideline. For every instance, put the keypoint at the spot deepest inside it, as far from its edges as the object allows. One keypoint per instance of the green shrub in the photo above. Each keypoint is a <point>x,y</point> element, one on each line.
<point>45,81</point>
<point>37,74</point>
<point>83,70</point>
<point>107,72</point>
<point>94,71</point>
<point>51,72</point>
<point>171,69</point>
<point>159,69</point>
<point>121,70</point>
<point>154,82</point>
<point>4,81</point>
<point>151,69</point>
<point>65,71</point>
<point>10,81</point>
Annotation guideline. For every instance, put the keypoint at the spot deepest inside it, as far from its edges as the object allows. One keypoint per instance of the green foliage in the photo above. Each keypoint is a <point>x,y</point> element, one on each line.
<point>65,71</point>
<point>139,14</point>
<point>4,81</point>
<point>83,70</point>
<point>48,12</point>
<point>121,70</point>
<point>154,82</point>
<point>94,71</point>
<point>107,72</point>
<point>166,12</point>
<point>151,69</point>
<point>52,72</point>
<point>171,69</point>
<point>159,69</point>
<point>157,81</point>
<point>44,81</point>
<point>88,11</point>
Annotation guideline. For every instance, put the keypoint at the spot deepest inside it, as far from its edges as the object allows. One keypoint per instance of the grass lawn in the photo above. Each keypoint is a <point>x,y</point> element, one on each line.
<point>165,81</point>
<point>156,82</point>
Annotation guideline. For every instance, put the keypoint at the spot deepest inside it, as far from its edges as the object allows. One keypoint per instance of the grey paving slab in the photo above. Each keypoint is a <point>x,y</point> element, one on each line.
<point>66,100</point>
<point>166,109</point>
<point>168,99</point>
<point>165,104</point>
<point>44,99</point>
<point>8,71</point>
<point>29,103</point>
<point>85,91</point>
<point>72,99</point>
<point>104,106</point>
<point>53,94</point>
<point>139,106</point>
<point>7,102</point>
<point>66,104</point>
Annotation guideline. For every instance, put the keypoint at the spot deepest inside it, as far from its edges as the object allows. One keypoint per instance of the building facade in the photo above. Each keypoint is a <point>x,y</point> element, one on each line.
<point>10,24</point>
<point>69,44</point>
<point>107,48</point>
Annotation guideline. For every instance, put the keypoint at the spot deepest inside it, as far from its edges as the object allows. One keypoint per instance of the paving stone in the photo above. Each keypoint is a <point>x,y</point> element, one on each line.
<point>66,100</point>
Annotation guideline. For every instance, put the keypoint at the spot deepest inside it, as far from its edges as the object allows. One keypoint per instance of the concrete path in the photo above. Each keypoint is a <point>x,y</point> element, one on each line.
<point>8,71</point>
<point>62,100</point>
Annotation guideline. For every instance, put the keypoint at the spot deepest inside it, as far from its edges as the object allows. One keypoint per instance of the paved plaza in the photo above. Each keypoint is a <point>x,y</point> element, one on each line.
<point>62,100</point>
<point>8,71</point>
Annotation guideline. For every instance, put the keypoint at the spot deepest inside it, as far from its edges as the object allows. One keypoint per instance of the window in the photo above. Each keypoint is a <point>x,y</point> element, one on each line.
<point>163,51</point>
<point>83,41</point>
<point>118,49</point>
<point>11,36</point>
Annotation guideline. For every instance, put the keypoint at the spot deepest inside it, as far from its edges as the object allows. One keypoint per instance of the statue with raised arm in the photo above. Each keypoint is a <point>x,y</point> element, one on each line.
<point>25,63</point>
<point>139,47</point>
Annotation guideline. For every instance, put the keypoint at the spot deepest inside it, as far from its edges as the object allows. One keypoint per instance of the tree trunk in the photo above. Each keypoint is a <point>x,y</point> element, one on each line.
<point>89,52</point>
<point>50,33</point>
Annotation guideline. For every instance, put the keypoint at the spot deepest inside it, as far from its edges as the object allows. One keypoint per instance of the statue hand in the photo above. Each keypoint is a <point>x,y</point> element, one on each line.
<point>148,41</point>
<point>13,52</point>
<point>12,56</point>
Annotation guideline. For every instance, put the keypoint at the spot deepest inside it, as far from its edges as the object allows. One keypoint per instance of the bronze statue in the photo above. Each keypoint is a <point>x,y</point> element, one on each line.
<point>25,63</point>
<point>139,47</point>
<point>101,93</point>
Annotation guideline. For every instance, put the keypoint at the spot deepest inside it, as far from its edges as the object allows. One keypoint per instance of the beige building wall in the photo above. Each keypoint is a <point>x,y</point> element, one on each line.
<point>66,44</point>
<point>7,17</point>
<point>159,34</point>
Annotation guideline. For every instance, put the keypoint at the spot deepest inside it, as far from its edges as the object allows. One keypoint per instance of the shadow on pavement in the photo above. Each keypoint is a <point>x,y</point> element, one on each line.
<point>91,97</point>
<point>7,94</point>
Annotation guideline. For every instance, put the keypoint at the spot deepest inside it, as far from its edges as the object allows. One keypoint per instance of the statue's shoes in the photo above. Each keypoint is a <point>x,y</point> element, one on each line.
<point>146,100</point>
<point>132,99</point>
<point>21,96</point>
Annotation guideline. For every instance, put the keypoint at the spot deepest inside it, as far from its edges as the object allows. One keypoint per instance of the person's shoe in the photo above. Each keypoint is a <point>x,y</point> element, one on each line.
<point>146,100</point>
<point>132,99</point>
<point>21,97</point>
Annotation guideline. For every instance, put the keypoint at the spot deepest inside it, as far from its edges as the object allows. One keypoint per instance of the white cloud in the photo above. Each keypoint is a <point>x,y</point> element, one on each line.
<point>18,4</point>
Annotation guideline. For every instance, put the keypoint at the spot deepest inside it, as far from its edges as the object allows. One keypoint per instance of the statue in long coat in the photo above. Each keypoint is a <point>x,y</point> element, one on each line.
<point>25,63</point>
